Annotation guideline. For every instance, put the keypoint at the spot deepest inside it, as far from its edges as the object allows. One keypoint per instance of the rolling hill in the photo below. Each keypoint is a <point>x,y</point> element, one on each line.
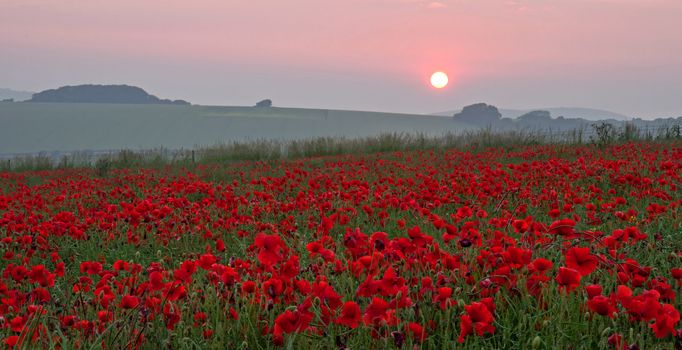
<point>91,93</point>
<point>15,95</point>
<point>566,112</point>
<point>63,127</point>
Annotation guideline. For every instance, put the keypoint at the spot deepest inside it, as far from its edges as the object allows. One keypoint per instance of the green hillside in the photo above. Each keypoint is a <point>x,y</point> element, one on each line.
<point>63,127</point>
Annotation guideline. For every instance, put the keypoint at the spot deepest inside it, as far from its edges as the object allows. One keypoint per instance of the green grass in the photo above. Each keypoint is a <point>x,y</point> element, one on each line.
<point>275,150</point>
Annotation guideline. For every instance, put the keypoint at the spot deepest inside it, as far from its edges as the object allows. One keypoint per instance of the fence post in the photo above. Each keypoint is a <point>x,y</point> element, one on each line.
<point>283,150</point>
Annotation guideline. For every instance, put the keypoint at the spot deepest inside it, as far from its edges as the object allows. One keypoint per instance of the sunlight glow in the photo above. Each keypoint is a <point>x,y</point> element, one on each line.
<point>439,80</point>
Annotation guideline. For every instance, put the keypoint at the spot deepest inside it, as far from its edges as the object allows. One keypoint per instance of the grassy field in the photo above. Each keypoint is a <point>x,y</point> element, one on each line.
<point>282,149</point>
<point>559,246</point>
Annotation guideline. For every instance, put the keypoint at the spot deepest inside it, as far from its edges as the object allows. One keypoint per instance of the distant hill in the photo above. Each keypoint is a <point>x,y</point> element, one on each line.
<point>488,116</point>
<point>555,112</point>
<point>101,94</point>
<point>64,127</point>
<point>6,94</point>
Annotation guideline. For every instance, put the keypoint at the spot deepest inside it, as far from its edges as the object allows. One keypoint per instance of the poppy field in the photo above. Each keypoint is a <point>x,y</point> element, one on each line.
<point>537,247</point>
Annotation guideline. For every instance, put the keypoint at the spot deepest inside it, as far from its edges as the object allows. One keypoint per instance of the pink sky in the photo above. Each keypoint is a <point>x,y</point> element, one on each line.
<point>623,55</point>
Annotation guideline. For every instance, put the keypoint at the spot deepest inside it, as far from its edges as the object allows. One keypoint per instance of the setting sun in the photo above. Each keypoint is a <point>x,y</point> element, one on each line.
<point>439,80</point>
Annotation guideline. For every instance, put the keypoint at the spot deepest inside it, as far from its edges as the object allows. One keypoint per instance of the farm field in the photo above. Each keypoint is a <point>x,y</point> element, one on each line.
<point>534,247</point>
<point>29,128</point>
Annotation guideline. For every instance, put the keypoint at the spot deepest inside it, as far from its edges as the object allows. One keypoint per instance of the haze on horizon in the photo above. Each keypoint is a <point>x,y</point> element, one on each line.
<point>620,55</point>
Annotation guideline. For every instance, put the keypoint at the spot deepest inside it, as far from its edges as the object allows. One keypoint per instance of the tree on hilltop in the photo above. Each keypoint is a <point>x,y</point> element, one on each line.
<point>478,114</point>
<point>264,103</point>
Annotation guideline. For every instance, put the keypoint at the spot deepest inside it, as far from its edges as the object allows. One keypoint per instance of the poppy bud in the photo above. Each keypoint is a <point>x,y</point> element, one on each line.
<point>537,342</point>
<point>606,331</point>
<point>398,338</point>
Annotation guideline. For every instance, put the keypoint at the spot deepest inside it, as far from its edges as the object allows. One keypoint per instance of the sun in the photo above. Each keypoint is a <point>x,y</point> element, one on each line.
<point>439,80</point>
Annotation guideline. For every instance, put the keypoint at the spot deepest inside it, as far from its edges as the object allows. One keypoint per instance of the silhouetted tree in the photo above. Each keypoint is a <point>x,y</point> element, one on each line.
<point>479,114</point>
<point>536,116</point>
<point>101,94</point>
<point>264,103</point>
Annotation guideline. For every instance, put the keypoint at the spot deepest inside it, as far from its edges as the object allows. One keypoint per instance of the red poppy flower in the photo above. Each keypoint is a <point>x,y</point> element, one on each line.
<point>540,265</point>
<point>419,239</point>
<point>582,260</point>
<point>377,313</point>
<point>91,267</point>
<point>270,248</point>
<point>220,245</point>
<point>562,227</point>
<point>17,324</point>
<point>442,297</point>
<point>535,284</point>
<point>520,226</point>
<point>417,332</point>
<point>185,272</point>
<point>249,287</point>
<point>293,321</point>
<point>602,305</point>
<point>350,315</point>
<point>19,273</point>
<point>129,301</point>
<point>666,320</point>
<point>593,290</point>
<point>478,318</point>
<point>207,260</point>
<point>121,265</point>
<point>11,341</point>
<point>677,274</point>
<point>568,279</point>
